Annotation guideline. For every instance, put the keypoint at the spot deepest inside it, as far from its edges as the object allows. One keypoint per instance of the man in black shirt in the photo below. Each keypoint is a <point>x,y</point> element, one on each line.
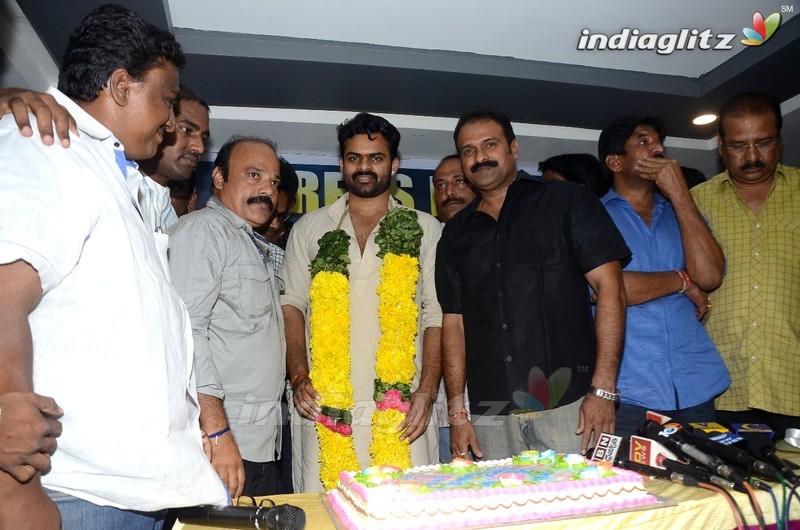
<point>511,277</point>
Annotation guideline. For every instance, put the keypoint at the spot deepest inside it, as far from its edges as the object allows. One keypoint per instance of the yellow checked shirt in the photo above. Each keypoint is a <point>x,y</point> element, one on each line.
<point>755,320</point>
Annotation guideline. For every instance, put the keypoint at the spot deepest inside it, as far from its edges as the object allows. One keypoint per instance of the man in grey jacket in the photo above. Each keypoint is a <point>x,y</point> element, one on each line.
<point>225,274</point>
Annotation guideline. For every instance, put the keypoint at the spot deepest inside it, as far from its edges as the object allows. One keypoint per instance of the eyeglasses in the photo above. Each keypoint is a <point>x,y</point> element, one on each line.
<point>762,146</point>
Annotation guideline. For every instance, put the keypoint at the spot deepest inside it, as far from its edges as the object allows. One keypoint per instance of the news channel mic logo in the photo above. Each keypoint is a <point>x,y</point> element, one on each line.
<point>685,39</point>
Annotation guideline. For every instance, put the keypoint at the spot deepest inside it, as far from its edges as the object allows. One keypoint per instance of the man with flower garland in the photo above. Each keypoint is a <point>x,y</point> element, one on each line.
<point>511,275</point>
<point>368,147</point>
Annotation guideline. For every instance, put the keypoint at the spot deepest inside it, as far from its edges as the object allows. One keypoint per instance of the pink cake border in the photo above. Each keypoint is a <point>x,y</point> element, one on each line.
<point>352,517</point>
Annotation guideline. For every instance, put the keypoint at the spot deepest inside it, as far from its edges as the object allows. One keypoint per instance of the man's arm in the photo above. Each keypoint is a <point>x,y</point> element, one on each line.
<point>196,251</point>
<point>416,421</point>
<point>24,504</point>
<point>597,414</point>
<point>430,315</point>
<point>225,456</point>
<point>705,261</point>
<point>454,364</point>
<point>20,102</point>
<point>304,395</point>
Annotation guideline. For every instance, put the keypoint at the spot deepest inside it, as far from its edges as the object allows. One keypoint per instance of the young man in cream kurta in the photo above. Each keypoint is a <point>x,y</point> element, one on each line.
<point>368,147</point>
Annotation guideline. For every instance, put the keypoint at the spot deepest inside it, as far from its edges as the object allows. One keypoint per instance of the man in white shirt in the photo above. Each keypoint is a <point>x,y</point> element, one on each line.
<point>174,162</point>
<point>89,311</point>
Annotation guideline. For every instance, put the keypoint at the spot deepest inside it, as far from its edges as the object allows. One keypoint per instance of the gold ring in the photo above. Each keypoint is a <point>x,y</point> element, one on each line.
<point>463,454</point>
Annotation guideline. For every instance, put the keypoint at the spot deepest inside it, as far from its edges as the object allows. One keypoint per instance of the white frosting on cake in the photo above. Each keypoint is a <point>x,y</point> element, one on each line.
<point>493,492</point>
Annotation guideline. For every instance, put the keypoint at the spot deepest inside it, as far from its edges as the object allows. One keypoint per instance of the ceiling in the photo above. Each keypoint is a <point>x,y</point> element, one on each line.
<point>293,70</point>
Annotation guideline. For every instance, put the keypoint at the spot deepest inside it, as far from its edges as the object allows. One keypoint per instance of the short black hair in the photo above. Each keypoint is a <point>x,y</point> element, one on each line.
<point>449,157</point>
<point>188,94</point>
<point>750,103</point>
<point>483,114</point>
<point>289,180</point>
<point>369,124</point>
<point>113,37</point>
<point>581,168</point>
<point>615,134</point>
<point>223,160</point>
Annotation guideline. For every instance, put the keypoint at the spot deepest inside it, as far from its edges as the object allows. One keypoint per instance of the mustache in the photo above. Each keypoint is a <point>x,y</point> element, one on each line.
<point>476,166</point>
<point>456,200</point>
<point>261,198</point>
<point>365,174</point>
<point>753,165</point>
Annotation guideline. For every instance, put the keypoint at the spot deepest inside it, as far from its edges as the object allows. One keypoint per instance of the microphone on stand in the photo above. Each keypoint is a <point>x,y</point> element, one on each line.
<point>281,517</point>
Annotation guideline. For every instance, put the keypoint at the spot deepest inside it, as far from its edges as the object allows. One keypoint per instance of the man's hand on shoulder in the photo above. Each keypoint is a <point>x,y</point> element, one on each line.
<point>20,102</point>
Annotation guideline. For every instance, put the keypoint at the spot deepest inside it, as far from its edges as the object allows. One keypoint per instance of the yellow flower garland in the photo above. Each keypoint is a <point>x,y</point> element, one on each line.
<point>397,316</point>
<point>330,368</point>
<point>330,347</point>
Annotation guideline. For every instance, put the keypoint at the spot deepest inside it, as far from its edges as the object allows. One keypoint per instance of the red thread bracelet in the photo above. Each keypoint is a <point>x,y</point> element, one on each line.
<point>296,379</point>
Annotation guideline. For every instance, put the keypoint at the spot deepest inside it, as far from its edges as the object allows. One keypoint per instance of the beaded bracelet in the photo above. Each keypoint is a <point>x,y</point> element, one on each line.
<point>296,379</point>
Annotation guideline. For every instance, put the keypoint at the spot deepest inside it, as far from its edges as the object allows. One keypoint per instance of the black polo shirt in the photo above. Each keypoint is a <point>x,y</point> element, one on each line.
<point>519,284</point>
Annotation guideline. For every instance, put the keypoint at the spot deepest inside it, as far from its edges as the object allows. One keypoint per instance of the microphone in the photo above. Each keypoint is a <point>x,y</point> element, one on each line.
<point>676,440</point>
<point>729,453</point>
<point>281,517</point>
<point>760,445</point>
<point>613,448</point>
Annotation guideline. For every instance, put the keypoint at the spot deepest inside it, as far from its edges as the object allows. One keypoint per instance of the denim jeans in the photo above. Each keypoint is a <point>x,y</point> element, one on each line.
<point>78,514</point>
<point>505,436</point>
<point>629,417</point>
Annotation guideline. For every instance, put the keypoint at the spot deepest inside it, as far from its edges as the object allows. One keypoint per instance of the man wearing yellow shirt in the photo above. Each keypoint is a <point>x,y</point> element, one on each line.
<point>753,209</point>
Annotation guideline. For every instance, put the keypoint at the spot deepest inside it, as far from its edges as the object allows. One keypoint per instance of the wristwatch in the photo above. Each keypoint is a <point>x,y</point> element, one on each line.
<point>604,394</point>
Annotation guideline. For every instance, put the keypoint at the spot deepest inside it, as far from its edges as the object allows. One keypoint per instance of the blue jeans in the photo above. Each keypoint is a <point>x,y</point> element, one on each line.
<point>78,514</point>
<point>629,417</point>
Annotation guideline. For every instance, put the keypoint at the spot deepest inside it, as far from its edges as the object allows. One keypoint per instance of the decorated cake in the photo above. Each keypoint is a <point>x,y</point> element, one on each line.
<point>532,486</point>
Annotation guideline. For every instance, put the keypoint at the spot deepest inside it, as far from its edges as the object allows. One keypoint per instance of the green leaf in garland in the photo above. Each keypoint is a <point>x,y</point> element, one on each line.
<point>399,233</point>
<point>333,254</point>
<point>381,387</point>
<point>337,415</point>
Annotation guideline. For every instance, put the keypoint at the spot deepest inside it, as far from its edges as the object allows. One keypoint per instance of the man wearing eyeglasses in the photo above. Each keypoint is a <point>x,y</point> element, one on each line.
<point>753,208</point>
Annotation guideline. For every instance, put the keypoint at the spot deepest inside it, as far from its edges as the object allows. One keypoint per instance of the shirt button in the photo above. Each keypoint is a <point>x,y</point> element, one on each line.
<point>498,265</point>
<point>500,294</point>
<point>757,254</point>
<point>508,358</point>
<point>754,324</point>
<point>758,225</point>
<point>504,326</point>
<point>755,287</point>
